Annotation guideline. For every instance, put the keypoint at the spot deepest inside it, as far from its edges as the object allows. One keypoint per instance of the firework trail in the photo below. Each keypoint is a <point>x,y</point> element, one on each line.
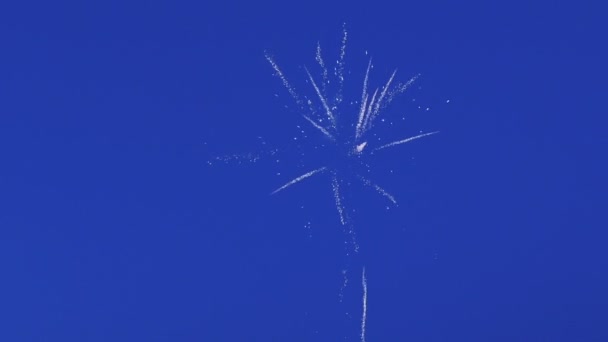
<point>330,115</point>
<point>299,179</point>
<point>322,111</point>
<point>364,315</point>
<point>378,189</point>
<point>399,142</point>
<point>338,198</point>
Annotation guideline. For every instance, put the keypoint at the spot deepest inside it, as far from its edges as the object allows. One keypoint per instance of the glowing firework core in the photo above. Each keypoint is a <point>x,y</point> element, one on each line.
<point>359,148</point>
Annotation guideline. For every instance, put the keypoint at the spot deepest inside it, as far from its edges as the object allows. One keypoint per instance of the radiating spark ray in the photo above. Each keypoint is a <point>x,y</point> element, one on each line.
<point>340,64</point>
<point>378,104</point>
<point>370,105</point>
<point>399,142</point>
<point>364,315</point>
<point>324,71</point>
<point>319,127</point>
<point>283,79</point>
<point>402,87</point>
<point>299,179</point>
<point>361,115</point>
<point>364,97</point>
<point>379,189</point>
<point>330,115</point>
<point>338,198</point>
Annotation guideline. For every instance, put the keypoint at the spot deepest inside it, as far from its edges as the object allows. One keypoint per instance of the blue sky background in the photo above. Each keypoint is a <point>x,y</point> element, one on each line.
<point>113,227</point>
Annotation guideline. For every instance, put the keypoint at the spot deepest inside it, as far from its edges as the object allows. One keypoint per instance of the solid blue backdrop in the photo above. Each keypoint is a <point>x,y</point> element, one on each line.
<point>113,227</point>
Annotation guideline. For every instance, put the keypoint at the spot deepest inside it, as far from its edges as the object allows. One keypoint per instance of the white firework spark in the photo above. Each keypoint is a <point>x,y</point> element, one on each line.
<point>364,314</point>
<point>322,114</point>
<point>350,141</point>
<point>299,179</point>
<point>403,141</point>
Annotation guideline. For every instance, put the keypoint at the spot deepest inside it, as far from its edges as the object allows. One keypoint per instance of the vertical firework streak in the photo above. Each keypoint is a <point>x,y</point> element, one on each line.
<point>338,198</point>
<point>364,305</point>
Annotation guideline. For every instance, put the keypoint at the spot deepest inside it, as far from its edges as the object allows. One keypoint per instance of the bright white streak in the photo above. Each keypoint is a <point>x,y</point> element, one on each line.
<point>299,179</point>
<point>293,93</point>
<point>330,115</point>
<point>340,64</point>
<point>361,116</point>
<point>402,87</point>
<point>364,316</point>
<point>363,101</point>
<point>380,190</point>
<point>399,142</point>
<point>337,197</point>
<point>319,127</point>
<point>368,112</point>
<point>281,76</point>
<point>319,59</point>
<point>377,105</point>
